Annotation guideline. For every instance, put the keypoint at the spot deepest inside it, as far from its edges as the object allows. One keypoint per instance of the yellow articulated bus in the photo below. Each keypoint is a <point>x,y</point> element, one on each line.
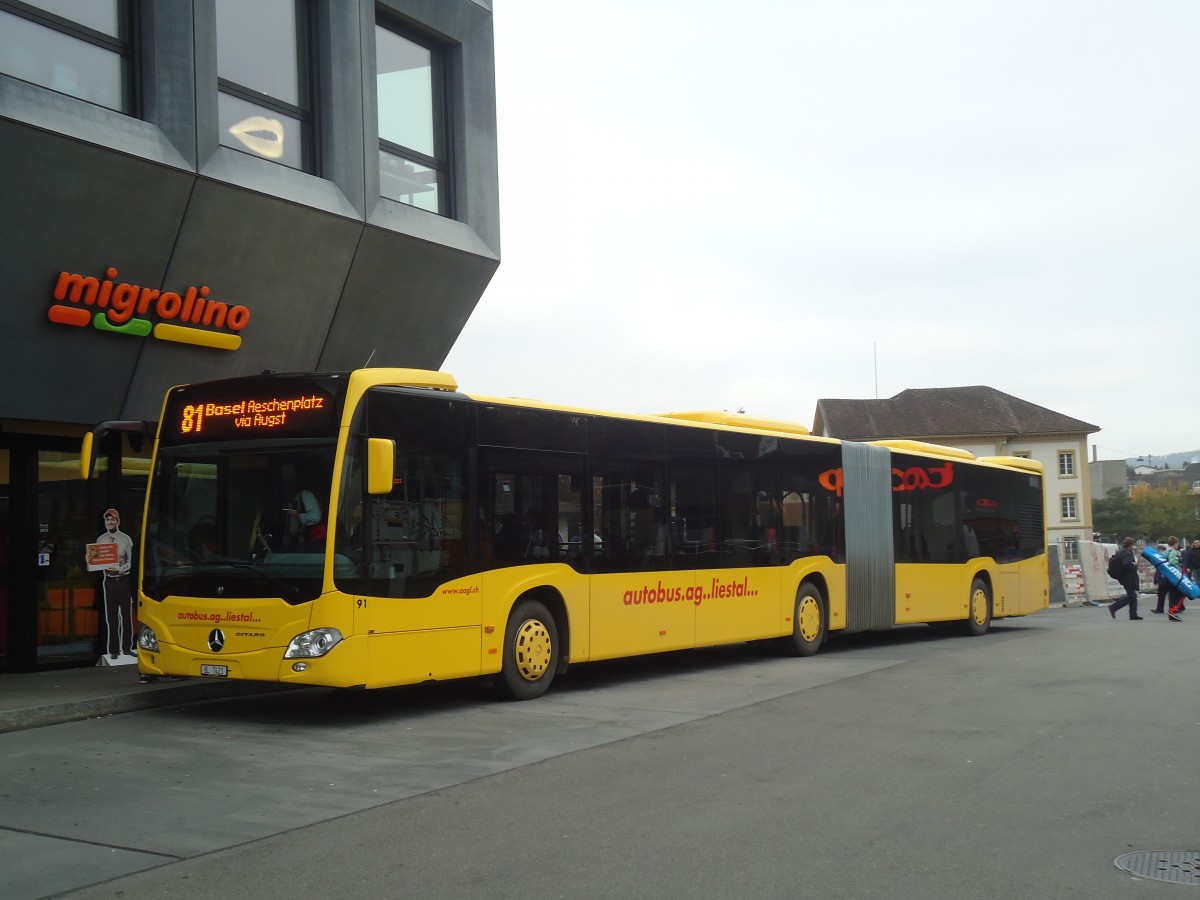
<point>381,527</point>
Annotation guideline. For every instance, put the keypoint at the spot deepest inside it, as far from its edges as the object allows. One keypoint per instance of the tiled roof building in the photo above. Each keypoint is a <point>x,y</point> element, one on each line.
<point>942,415</point>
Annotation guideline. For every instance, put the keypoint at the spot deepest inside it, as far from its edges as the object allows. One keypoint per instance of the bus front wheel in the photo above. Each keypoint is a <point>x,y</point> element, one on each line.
<point>530,652</point>
<point>979,611</point>
<point>809,623</point>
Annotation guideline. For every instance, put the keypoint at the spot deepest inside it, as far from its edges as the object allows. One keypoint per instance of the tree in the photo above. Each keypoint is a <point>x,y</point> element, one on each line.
<point>1163,511</point>
<point>1115,517</point>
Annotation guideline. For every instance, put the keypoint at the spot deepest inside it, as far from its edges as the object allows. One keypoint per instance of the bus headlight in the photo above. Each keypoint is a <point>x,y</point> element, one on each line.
<point>147,639</point>
<point>313,643</point>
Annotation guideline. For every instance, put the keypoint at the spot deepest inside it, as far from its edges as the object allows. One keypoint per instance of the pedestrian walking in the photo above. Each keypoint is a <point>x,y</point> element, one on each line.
<point>1127,576</point>
<point>1190,563</point>
<point>1164,586</point>
<point>1189,559</point>
<point>1177,596</point>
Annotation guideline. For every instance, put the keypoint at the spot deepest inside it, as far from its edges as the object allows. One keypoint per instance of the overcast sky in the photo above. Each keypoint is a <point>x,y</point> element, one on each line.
<point>755,206</point>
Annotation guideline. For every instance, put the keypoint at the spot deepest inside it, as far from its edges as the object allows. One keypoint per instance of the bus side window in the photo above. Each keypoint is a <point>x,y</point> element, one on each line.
<point>629,519</point>
<point>735,527</point>
<point>535,508</point>
<point>648,530</point>
<point>904,530</point>
<point>693,517</point>
<point>795,541</point>
<point>512,540</point>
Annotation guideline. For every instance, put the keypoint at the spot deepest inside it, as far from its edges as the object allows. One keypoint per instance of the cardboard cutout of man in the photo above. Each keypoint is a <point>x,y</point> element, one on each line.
<point>118,593</point>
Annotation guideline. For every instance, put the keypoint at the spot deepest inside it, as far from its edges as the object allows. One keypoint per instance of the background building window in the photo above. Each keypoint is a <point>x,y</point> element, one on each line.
<point>412,143</point>
<point>1070,548</point>
<point>263,68</point>
<point>1066,464</point>
<point>76,47</point>
<point>1068,507</point>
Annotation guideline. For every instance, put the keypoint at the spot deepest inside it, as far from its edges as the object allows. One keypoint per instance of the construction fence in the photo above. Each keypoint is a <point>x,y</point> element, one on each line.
<point>1085,579</point>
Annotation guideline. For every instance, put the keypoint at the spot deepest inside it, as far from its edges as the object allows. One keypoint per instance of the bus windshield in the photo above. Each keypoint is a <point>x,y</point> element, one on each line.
<point>239,498</point>
<point>239,519</point>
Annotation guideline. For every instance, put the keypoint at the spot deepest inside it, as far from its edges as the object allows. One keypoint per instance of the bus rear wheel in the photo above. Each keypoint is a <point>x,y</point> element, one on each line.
<point>531,652</point>
<point>809,623</point>
<point>979,611</point>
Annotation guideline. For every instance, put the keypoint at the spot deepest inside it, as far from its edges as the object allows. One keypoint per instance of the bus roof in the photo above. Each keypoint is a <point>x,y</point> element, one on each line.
<point>908,446</point>
<point>737,420</point>
<point>443,381</point>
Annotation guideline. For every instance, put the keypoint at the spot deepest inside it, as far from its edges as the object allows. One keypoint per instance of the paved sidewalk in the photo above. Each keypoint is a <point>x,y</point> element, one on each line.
<point>34,699</point>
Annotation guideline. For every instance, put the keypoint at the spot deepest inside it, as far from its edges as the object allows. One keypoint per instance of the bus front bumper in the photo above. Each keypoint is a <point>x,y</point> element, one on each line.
<point>267,664</point>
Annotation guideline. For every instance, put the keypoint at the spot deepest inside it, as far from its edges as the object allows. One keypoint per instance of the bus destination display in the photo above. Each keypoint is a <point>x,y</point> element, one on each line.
<point>253,413</point>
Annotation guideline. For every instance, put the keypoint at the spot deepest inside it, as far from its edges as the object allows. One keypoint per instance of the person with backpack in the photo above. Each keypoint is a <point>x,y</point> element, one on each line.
<point>1124,564</point>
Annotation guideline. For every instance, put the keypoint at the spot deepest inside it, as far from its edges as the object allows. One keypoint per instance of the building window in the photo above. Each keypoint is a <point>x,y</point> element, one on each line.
<point>1070,549</point>
<point>263,80</point>
<point>1066,464</point>
<point>413,165</point>
<point>1068,507</point>
<point>76,48</point>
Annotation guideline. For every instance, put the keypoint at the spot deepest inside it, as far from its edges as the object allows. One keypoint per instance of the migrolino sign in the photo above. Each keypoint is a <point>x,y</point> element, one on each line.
<point>124,308</point>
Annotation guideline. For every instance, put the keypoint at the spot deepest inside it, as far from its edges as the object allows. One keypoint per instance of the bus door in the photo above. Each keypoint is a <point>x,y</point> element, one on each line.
<point>403,556</point>
<point>740,597</point>
<point>640,604</point>
<point>532,514</point>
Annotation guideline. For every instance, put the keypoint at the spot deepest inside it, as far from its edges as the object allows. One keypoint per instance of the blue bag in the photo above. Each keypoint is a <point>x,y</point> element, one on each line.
<point>1173,574</point>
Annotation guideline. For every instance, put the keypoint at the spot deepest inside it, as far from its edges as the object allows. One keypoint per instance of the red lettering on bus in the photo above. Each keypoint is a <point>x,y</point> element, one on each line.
<point>917,478</point>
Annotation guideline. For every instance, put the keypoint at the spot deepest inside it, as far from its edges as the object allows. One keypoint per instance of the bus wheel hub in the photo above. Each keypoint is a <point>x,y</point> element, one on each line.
<point>533,650</point>
<point>810,619</point>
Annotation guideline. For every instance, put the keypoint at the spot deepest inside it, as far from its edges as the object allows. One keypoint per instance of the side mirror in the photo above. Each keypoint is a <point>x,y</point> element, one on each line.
<point>381,465</point>
<point>137,431</point>
<point>85,456</point>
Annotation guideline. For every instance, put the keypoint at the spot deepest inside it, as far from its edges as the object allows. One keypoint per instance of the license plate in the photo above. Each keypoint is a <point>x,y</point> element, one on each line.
<point>218,671</point>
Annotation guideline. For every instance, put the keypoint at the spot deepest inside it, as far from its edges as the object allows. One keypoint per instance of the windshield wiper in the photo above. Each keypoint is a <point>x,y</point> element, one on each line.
<point>166,582</point>
<point>290,591</point>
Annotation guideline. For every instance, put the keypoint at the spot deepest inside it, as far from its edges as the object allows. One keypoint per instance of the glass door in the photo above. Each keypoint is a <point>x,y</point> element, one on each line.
<point>52,594</point>
<point>5,545</point>
<point>67,619</point>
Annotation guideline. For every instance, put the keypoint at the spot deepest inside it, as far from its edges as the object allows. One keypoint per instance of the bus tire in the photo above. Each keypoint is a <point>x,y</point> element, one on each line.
<point>809,621</point>
<point>531,652</point>
<point>979,609</point>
